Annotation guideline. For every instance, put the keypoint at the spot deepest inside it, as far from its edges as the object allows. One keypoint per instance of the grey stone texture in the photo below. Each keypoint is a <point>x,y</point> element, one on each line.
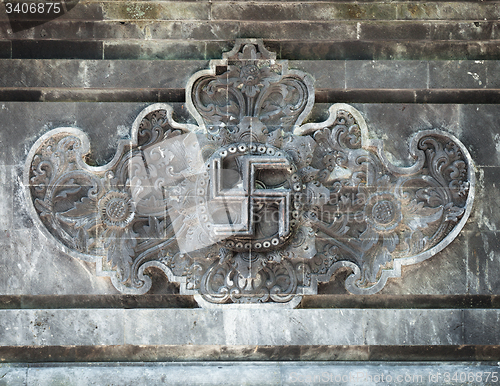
<point>116,73</point>
<point>253,373</point>
<point>249,327</point>
<point>302,30</point>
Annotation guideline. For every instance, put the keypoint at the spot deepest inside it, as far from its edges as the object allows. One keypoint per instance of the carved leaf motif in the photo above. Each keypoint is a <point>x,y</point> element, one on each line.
<point>120,251</point>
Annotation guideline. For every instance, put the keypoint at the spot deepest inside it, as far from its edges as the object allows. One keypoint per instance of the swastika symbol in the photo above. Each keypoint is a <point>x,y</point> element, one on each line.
<point>247,195</point>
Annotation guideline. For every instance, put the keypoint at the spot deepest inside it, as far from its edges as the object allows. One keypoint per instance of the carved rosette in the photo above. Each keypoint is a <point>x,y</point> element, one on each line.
<point>250,206</point>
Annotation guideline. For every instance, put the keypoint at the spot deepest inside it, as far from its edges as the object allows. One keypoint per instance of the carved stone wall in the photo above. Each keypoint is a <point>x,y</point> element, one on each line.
<point>367,132</point>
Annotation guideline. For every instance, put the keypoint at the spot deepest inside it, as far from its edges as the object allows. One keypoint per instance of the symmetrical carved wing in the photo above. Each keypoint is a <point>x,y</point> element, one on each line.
<point>250,206</point>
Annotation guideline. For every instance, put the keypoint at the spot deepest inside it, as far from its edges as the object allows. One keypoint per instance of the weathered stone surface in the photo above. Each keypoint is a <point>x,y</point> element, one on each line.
<point>56,49</point>
<point>270,373</point>
<point>302,11</point>
<point>390,50</point>
<point>299,30</point>
<point>77,30</point>
<point>155,49</point>
<point>414,327</point>
<point>5,49</point>
<point>61,274</point>
<point>480,130</point>
<point>394,123</point>
<point>473,30</point>
<point>6,190</point>
<point>264,373</point>
<point>161,374</point>
<point>461,74</point>
<point>192,30</point>
<point>13,375</point>
<point>484,260</point>
<point>310,327</point>
<point>444,274</point>
<point>15,261</point>
<point>334,74</point>
<point>294,50</point>
<point>492,68</point>
<point>447,11</point>
<point>150,10</point>
<point>380,30</point>
<point>386,74</point>
<point>355,50</point>
<point>248,327</point>
<point>61,327</point>
<point>191,327</point>
<point>485,216</point>
<point>481,326</point>
<point>34,119</point>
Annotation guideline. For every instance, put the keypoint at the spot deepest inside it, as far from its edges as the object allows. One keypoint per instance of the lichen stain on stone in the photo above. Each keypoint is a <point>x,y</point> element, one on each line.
<point>419,10</point>
<point>356,12</point>
<point>141,11</point>
<point>131,11</point>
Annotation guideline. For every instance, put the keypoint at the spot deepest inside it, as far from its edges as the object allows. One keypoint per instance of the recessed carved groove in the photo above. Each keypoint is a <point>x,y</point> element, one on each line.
<point>250,206</point>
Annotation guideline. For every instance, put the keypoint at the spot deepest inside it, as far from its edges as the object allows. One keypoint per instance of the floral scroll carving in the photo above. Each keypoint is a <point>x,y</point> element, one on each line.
<point>250,206</point>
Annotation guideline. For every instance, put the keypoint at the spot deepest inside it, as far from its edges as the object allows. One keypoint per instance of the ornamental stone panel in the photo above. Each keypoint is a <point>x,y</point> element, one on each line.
<point>253,205</point>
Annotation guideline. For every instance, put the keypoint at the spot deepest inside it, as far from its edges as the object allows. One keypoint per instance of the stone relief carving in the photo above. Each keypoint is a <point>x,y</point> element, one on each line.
<point>250,206</point>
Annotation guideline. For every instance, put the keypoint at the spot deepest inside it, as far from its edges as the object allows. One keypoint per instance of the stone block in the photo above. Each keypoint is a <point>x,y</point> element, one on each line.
<point>15,261</point>
<point>56,49</point>
<point>414,327</point>
<point>406,373</point>
<point>484,263</point>
<point>155,49</point>
<point>492,69</point>
<point>160,374</point>
<point>236,373</point>
<point>457,75</point>
<point>61,327</point>
<point>303,11</point>
<point>150,10</point>
<point>11,375</point>
<point>5,49</point>
<point>467,30</point>
<point>293,327</point>
<point>386,74</point>
<point>108,74</point>
<point>326,75</point>
<point>6,191</point>
<point>169,326</point>
<point>389,50</point>
<point>447,11</point>
<point>192,30</point>
<point>41,73</point>
<point>481,133</point>
<point>485,216</point>
<point>481,327</point>
<point>353,50</point>
<point>299,30</point>
<point>381,30</point>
